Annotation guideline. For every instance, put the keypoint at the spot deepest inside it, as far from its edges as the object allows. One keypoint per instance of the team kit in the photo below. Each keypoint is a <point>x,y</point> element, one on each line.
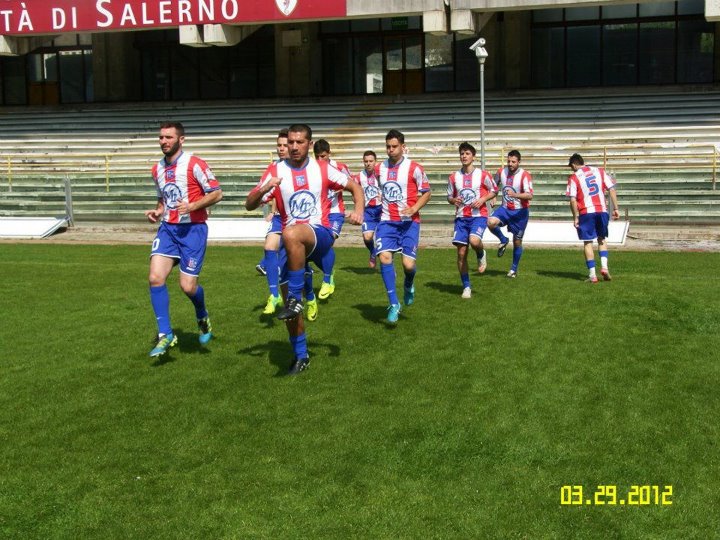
<point>304,193</point>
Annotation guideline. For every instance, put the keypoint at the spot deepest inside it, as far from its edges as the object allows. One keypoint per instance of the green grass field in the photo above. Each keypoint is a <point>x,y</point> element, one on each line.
<point>464,421</point>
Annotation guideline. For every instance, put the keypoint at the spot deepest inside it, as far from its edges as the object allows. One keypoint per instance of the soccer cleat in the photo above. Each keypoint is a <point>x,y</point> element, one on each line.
<point>605,274</point>
<point>409,296</point>
<point>272,304</point>
<point>482,264</point>
<point>372,263</point>
<point>591,279</point>
<point>261,269</point>
<point>502,248</point>
<point>293,308</point>
<point>298,365</point>
<point>326,289</point>
<point>393,313</point>
<point>512,274</point>
<point>312,310</point>
<point>467,293</point>
<point>205,330</point>
<point>164,343</point>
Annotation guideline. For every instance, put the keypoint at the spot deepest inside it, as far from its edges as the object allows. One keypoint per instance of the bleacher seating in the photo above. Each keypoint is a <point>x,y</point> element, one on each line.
<point>663,148</point>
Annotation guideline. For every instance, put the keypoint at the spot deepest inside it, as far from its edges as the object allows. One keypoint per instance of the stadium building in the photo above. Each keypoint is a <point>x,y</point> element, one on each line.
<point>58,52</point>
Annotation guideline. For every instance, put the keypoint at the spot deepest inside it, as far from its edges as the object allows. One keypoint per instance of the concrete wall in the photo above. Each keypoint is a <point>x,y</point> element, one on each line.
<point>116,67</point>
<point>298,69</point>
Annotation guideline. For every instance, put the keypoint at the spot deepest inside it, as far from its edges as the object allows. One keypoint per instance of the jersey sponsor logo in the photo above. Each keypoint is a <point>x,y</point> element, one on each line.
<point>392,175</point>
<point>303,205</point>
<point>467,196</point>
<point>392,193</point>
<point>506,190</point>
<point>172,196</point>
<point>286,7</point>
<point>170,175</point>
<point>300,180</point>
<point>371,192</point>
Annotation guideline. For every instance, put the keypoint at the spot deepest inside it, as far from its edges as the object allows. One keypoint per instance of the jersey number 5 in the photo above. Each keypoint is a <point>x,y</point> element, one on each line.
<point>592,186</point>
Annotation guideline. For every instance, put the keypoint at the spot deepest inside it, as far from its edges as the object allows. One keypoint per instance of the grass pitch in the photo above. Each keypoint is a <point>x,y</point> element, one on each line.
<point>464,421</point>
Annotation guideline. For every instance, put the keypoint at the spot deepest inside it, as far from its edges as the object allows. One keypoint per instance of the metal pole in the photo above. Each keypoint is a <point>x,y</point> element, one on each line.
<point>482,114</point>
<point>68,203</point>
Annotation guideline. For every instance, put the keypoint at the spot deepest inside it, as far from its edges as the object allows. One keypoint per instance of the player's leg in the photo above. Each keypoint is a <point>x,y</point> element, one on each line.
<point>460,241</point>
<point>371,219</point>
<point>409,243</point>
<point>273,256</point>
<point>369,240</point>
<point>160,268</point>
<point>590,261</point>
<point>475,239</point>
<point>601,225</point>
<point>298,340</point>
<point>192,241</point>
<point>517,223</point>
<point>586,232</point>
<point>311,302</point>
<point>328,283</point>
<point>494,223</point>
<point>299,241</point>
<point>386,243</point>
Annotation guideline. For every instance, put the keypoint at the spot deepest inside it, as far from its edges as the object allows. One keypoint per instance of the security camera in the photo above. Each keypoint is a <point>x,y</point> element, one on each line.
<point>479,43</point>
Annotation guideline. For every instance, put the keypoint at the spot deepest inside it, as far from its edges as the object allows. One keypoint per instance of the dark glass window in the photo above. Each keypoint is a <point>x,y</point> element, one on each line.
<point>620,54</point>
<point>583,56</point>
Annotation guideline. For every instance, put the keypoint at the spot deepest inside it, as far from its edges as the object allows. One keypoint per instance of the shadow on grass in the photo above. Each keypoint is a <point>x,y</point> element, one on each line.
<point>575,276</point>
<point>280,353</point>
<point>360,270</point>
<point>187,344</point>
<point>375,314</point>
<point>454,289</point>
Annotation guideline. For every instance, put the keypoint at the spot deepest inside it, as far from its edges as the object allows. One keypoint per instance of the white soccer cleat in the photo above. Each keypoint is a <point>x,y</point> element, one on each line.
<point>483,262</point>
<point>467,293</point>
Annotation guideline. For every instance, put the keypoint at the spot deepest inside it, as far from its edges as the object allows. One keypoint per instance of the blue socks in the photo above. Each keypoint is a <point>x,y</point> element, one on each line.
<point>199,302</point>
<point>309,293</point>
<point>296,282</point>
<point>299,346</point>
<point>517,253</point>
<point>387,271</point>
<point>497,232</point>
<point>465,278</point>
<point>590,264</point>
<point>160,300</point>
<point>273,272</point>
<point>328,264</point>
<point>409,278</point>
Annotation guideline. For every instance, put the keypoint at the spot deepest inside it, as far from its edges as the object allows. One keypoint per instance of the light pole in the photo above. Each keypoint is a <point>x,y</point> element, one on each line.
<point>481,54</point>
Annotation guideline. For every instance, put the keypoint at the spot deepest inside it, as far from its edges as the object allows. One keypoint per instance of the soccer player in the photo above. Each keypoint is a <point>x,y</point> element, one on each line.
<point>469,189</point>
<point>269,265</point>
<point>405,190</point>
<point>300,187</point>
<point>373,202</point>
<point>517,192</point>
<point>586,189</point>
<point>186,187</point>
<point>321,149</point>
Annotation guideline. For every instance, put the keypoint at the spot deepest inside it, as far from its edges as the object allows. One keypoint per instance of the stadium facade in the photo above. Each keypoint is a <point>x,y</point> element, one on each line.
<point>83,51</point>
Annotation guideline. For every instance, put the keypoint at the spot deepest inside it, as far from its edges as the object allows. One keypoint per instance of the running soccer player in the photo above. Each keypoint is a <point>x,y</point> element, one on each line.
<point>586,189</point>
<point>469,189</point>
<point>321,149</point>
<point>300,187</point>
<point>186,187</point>
<point>405,190</point>
<point>517,192</point>
<point>373,202</point>
<point>269,265</point>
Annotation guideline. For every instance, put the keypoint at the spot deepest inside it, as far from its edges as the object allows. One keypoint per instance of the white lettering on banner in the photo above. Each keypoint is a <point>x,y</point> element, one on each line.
<point>25,22</point>
<point>230,15</point>
<point>184,12</point>
<point>165,12</point>
<point>58,18</point>
<point>128,15</point>
<point>208,8</point>
<point>146,19</point>
<point>108,16</point>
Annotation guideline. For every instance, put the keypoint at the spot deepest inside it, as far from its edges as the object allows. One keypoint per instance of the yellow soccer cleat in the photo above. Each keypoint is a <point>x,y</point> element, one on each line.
<point>312,310</point>
<point>272,304</point>
<point>326,289</point>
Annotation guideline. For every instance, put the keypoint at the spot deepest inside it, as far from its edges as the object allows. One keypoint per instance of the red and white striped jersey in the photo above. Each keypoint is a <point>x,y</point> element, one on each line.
<point>471,187</point>
<point>337,206</point>
<point>371,188</point>
<point>520,182</point>
<point>401,185</point>
<point>188,179</point>
<point>302,196</point>
<point>588,185</point>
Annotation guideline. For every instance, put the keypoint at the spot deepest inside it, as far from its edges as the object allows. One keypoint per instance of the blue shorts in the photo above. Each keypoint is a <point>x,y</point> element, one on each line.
<point>336,223</point>
<point>515,220</point>
<point>371,218</point>
<point>184,241</point>
<point>465,227</point>
<point>592,226</point>
<point>275,225</point>
<point>402,236</point>
<point>324,240</point>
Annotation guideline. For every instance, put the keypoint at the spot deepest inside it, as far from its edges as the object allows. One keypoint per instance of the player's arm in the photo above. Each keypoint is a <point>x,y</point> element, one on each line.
<point>156,213</point>
<point>415,208</point>
<point>574,210</point>
<point>526,194</point>
<point>452,197</point>
<point>356,216</point>
<point>210,198</point>
<point>616,208</point>
<point>255,197</point>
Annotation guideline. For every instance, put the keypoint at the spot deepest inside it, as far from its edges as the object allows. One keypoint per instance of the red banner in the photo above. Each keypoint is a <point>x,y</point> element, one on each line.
<point>56,16</point>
